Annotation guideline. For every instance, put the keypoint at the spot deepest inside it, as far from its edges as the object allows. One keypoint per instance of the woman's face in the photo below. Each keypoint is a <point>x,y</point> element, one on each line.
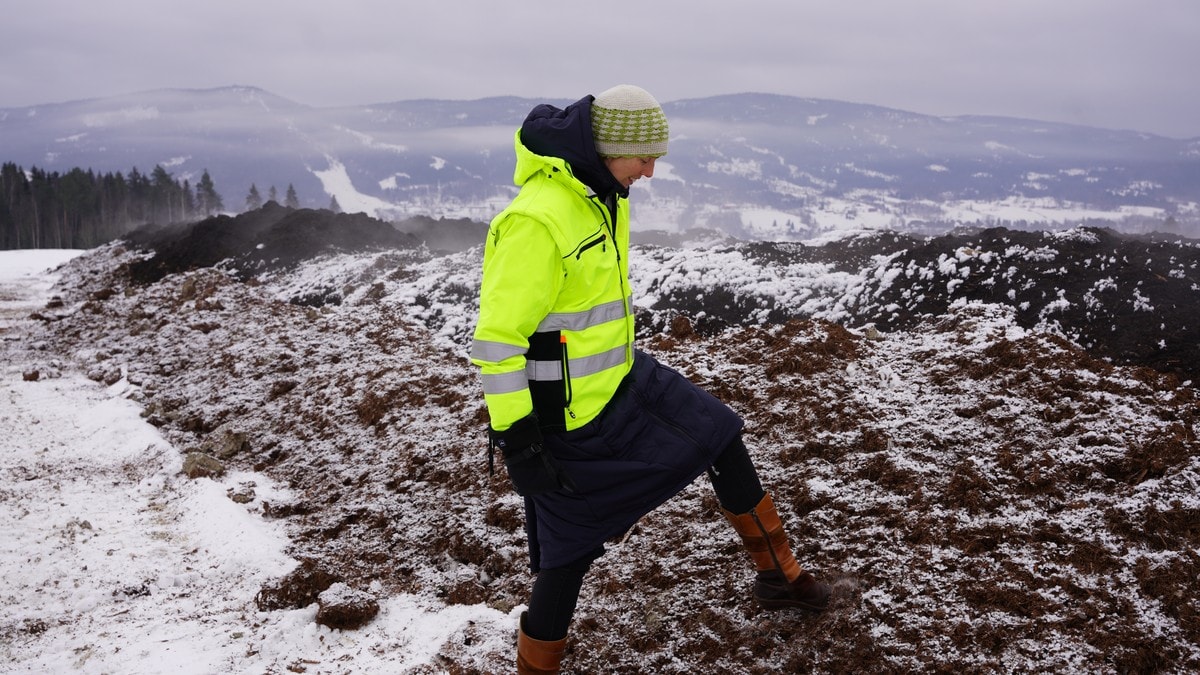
<point>628,169</point>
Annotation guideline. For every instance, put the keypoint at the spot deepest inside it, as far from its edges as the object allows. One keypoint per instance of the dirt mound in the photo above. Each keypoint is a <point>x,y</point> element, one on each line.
<point>272,237</point>
<point>1128,299</point>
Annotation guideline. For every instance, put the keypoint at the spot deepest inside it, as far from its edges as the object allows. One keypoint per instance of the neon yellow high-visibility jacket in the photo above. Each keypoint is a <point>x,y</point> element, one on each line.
<point>555,331</point>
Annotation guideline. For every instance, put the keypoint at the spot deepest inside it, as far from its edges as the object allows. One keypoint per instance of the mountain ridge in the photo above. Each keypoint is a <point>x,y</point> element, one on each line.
<point>753,165</point>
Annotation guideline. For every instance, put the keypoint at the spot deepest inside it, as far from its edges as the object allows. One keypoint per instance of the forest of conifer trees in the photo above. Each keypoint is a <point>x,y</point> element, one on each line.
<point>83,209</point>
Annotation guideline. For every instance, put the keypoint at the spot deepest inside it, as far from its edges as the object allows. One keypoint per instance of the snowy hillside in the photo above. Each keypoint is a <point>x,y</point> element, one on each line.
<point>755,166</point>
<point>987,495</point>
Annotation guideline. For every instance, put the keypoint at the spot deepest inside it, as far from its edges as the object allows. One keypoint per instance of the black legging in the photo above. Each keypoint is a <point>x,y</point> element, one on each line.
<point>735,480</point>
<point>556,590</point>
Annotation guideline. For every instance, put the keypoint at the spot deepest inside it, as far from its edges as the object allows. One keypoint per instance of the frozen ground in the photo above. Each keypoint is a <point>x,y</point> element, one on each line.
<point>987,495</point>
<point>112,561</point>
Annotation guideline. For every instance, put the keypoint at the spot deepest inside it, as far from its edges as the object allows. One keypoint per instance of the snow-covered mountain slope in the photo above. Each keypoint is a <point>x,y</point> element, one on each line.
<point>986,494</point>
<point>756,166</point>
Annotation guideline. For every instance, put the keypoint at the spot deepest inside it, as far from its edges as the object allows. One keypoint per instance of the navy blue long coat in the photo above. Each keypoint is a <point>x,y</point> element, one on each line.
<point>657,434</point>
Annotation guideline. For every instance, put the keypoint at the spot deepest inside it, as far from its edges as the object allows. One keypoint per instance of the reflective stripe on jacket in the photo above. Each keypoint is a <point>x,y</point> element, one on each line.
<point>555,331</point>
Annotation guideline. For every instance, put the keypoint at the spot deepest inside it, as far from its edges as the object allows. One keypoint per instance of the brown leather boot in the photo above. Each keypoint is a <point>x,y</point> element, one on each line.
<point>535,657</point>
<point>780,582</point>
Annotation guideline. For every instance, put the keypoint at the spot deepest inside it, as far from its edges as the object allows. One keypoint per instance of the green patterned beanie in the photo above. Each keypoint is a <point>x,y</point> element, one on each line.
<point>628,122</point>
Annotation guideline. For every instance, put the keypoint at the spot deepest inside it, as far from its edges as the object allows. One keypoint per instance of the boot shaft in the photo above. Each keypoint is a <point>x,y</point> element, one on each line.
<point>761,530</point>
<point>538,657</point>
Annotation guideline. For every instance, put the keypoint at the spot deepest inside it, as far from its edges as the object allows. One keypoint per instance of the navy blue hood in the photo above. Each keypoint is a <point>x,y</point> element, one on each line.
<point>567,134</point>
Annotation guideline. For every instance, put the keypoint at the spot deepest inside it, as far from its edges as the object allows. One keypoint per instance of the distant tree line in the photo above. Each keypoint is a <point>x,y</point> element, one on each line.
<point>83,209</point>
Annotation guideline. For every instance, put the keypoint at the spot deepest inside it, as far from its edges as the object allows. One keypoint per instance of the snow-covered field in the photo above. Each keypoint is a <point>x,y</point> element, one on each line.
<point>112,561</point>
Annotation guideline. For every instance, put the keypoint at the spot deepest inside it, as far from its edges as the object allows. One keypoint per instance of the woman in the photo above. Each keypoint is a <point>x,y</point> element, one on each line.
<point>594,433</point>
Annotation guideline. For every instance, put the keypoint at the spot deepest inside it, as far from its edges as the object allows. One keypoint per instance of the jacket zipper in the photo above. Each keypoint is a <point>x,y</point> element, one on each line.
<point>562,339</point>
<point>610,222</point>
<point>609,215</point>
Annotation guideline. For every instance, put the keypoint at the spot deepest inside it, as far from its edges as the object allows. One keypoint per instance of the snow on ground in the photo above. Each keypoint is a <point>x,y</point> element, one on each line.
<point>112,561</point>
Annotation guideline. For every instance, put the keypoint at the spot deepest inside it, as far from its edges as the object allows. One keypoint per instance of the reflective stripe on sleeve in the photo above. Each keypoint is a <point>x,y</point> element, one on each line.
<point>505,383</point>
<point>494,352</point>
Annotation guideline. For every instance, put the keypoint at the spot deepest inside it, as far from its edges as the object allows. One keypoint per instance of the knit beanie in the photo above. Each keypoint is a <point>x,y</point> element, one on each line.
<point>628,122</point>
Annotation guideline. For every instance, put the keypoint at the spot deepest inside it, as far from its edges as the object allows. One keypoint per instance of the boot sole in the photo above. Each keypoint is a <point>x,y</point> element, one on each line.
<point>791,604</point>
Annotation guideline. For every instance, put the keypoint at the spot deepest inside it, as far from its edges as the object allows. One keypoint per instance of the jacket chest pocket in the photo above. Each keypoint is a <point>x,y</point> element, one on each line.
<point>592,266</point>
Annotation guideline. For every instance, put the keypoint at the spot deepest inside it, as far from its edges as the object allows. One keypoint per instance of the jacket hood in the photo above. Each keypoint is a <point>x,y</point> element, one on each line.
<point>567,134</point>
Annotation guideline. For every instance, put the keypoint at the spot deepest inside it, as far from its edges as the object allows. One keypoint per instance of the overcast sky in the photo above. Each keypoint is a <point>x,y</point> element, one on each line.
<point>1125,64</point>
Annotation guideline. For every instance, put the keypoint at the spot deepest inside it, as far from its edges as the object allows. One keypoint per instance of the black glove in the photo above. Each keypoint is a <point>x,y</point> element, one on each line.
<point>531,467</point>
